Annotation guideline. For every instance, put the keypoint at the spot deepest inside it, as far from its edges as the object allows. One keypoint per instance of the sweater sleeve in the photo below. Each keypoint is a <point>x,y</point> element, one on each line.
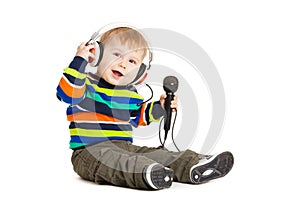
<point>71,87</point>
<point>150,112</point>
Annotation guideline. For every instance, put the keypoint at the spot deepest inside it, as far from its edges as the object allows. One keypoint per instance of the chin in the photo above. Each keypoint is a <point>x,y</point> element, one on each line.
<point>117,82</point>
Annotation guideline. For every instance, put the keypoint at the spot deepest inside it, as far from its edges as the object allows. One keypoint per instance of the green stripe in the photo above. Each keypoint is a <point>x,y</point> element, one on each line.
<point>115,92</point>
<point>74,73</point>
<point>112,104</point>
<point>99,133</point>
<point>76,145</point>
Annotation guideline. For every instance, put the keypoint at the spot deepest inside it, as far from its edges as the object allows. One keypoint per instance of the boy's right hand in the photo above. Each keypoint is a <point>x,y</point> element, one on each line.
<point>86,52</point>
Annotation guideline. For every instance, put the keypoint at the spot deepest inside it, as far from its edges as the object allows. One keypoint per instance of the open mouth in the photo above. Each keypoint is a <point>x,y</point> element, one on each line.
<point>117,73</point>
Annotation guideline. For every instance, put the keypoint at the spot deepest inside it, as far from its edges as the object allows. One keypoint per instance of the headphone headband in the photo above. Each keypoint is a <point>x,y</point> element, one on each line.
<point>108,27</point>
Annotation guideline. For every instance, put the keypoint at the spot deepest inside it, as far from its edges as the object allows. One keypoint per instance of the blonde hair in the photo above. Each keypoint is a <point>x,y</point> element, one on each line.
<point>128,36</point>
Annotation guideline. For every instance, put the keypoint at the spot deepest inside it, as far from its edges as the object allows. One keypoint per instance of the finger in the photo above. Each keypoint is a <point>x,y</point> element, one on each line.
<point>82,44</point>
<point>174,102</point>
<point>90,46</point>
<point>174,106</point>
<point>91,55</point>
<point>164,96</point>
<point>85,44</point>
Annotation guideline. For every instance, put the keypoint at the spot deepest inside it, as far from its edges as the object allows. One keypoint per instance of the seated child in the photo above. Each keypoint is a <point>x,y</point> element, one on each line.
<point>103,108</point>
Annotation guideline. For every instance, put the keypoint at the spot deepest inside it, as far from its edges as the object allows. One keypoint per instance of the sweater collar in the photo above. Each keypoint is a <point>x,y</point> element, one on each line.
<point>104,84</point>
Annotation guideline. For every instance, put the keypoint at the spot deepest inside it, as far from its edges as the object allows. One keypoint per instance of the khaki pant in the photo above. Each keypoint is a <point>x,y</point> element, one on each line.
<point>121,163</point>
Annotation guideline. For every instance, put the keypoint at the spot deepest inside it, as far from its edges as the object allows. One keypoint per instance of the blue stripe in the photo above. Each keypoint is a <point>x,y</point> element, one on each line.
<point>91,140</point>
<point>134,122</point>
<point>74,110</point>
<point>66,98</point>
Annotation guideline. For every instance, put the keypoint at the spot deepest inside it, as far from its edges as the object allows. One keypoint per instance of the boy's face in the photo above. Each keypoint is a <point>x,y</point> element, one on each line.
<point>120,63</point>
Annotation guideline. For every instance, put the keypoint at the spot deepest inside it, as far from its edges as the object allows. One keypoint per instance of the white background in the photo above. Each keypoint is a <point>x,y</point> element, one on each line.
<point>255,46</point>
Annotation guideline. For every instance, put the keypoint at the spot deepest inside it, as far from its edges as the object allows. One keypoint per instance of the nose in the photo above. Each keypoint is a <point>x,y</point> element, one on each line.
<point>122,64</point>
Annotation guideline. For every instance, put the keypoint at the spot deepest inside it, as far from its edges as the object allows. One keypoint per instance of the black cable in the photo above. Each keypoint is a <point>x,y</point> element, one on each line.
<point>139,104</point>
<point>159,130</point>
<point>173,130</point>
<point>163,119</point>
<point>172,134</point>
<point>151,92</point>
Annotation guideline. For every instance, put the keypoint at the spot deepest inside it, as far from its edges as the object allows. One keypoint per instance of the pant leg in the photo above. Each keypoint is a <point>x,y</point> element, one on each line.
<point>180,162</point>
<point>108,162</point>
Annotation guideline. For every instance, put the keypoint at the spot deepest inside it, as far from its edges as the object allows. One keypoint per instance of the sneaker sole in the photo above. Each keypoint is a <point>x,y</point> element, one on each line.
<point>216,167</point>
<point>160,176</point>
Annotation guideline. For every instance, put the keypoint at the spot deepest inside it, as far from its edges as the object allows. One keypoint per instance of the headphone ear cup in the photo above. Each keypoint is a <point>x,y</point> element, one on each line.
<point>141,75</point>
<point>98,54</point>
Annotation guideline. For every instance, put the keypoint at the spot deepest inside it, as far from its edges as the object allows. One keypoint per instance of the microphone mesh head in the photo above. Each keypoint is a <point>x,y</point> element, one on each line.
<point>170,84</point>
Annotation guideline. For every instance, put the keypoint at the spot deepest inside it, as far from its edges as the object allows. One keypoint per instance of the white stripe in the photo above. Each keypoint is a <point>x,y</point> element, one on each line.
<point>92,78</point>
<point>80,108</point>
<point>144,115</point>
<point>71,84</point>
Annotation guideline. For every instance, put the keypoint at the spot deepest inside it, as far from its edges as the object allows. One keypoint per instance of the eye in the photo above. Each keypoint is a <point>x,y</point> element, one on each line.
<point>132,61</point>
<point>117,54</point>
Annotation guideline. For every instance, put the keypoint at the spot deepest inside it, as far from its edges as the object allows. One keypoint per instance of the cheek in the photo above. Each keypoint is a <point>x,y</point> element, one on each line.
<point>107,58</point>
<point>132,72</point>
<point>100,71</point>
<point>102,68</point>
<point>105,63</point>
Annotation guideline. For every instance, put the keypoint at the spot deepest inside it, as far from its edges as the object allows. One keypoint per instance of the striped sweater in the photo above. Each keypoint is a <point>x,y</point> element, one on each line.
<point>99,111</point>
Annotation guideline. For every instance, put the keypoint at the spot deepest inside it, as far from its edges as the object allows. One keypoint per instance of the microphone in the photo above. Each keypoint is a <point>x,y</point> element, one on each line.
<point>170,86</point>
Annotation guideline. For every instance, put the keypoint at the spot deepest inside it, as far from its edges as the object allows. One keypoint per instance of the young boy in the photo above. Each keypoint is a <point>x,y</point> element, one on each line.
<point>103,108</point>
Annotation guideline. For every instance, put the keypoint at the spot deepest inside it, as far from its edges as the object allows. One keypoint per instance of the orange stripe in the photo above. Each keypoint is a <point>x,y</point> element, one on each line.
<point>69,90</point>
<point>91,116</point>
<point>141,120</point>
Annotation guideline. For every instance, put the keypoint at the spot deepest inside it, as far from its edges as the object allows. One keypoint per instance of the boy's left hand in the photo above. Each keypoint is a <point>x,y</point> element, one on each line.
<point>173,105</point>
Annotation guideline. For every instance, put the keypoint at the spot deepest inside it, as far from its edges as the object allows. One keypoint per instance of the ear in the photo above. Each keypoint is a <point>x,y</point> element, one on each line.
<point>142,79</point>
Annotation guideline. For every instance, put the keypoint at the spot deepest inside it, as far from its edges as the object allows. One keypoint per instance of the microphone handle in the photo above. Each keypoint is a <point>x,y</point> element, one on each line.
<point>168,111</point>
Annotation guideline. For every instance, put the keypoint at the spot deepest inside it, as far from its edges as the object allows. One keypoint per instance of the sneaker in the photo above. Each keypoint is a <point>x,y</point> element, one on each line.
<point>211,167</point>
<point>157,176</point>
